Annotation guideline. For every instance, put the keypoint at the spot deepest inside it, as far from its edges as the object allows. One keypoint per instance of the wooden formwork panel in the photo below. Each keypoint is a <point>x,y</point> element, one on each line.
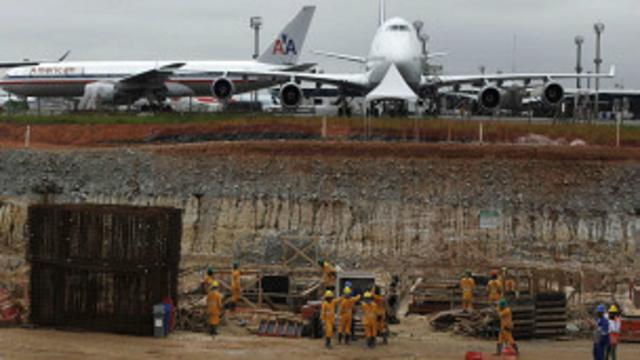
<point>102,267</point>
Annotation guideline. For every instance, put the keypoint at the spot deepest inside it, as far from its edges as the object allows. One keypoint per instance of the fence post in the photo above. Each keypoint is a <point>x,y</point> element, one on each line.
<point>27,136</point>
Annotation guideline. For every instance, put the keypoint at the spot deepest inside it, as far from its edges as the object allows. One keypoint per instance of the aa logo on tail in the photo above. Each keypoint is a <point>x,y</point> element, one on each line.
<point>284,46</point>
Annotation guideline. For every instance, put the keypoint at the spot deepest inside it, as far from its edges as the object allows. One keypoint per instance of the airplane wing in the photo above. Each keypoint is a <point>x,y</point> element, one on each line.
<point>356,59</point>
<point>153,76</point>
<point>450,80</point>
<point>357,80</point>
<point>300,67</point>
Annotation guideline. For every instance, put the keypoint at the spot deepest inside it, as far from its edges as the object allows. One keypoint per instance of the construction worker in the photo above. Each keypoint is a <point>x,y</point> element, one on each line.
<point>506,328</point>
<point>614,333</point>
<point>467,284</point>
<point>370,319</point>
<point>347,303</point>
<point>381,310</point>
<point>508,282</point>
<point>600,334</point>
<point>207,279</point>
<point>236,290</point>
<point>328,275</point>
<point>214,307</point>
<point>494,287</point>
<point>328,316</point>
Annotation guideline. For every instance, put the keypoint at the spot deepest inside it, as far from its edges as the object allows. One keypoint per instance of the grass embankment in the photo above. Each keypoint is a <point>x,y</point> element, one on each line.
<point>393,129</point>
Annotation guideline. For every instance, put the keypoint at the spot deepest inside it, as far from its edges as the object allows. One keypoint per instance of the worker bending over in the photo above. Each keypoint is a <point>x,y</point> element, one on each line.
<point>328,275</point>
<point>328,316</point>
<point>370,319</point>
<point>381,312</point>
<point>236,290</point>
<point>506,328</point>
<point>467,284</point>
<point>214,307</point>
<point>494,287</point>
<point>207,279</point>
<point>347,303</point>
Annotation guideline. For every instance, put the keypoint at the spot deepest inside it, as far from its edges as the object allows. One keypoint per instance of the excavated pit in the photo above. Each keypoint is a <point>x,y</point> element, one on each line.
<point>393,208</point>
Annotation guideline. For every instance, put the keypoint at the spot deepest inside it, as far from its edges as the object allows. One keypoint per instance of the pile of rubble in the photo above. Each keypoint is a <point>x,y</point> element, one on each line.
<point>480,323</point>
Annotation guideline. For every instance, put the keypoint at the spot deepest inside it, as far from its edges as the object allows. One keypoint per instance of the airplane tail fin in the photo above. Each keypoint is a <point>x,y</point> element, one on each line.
<point>383,16</point>
<point>287,47</point>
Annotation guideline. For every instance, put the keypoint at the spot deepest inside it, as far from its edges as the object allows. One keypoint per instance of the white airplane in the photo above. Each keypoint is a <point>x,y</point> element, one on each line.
<point>394,71</point>
<point>124,82</point>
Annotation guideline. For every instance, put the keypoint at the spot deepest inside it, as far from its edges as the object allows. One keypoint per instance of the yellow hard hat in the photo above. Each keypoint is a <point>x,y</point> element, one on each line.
<point>347,291</point>
<point>215,284</point>
<point>328,294</point>
<point>367,295</point>
<point>613,309</point>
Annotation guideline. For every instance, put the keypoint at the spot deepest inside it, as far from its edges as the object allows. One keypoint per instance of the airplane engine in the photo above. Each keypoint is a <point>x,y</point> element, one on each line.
<point>551,94</point>
<point>490,97</point>
<point>98,93</point>
<point>223,89</point>
<point>291,95</point>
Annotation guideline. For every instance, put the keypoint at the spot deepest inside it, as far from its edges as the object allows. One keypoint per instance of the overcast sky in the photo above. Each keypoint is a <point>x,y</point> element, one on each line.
<point>474,32</point>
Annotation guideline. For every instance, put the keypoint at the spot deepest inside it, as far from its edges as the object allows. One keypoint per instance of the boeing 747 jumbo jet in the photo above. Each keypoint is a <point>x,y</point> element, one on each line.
<point>124,82</point>
<point>394,71</point>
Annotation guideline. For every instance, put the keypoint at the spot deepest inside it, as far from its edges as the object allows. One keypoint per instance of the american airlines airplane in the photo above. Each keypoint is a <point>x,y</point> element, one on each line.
<point>395,71</point>
<point>124,82</point>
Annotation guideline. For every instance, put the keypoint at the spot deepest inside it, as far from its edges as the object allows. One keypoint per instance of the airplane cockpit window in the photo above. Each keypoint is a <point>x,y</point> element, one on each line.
<point>404,28</point>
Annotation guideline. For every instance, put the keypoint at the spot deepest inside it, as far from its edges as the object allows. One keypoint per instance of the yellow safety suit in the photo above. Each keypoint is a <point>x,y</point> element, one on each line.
<point>509,286</point>
<point>467,284</point>
<point>328,316</point>
<point>506,327</point>
<point>380,312</point>
<point>236,290</point>
<point>494,288</point>
<point>346,314</point>
<point>370,319</point>
<point>214,307</point>
<point>328,275</point>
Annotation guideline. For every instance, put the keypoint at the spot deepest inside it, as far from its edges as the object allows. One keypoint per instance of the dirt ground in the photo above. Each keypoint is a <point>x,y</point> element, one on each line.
<point>408,344</point>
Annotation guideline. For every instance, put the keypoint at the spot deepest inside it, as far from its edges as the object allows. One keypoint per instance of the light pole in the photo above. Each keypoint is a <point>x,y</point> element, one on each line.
<point>256,24</point>
<point>599,29</point>
<point>579,40</point>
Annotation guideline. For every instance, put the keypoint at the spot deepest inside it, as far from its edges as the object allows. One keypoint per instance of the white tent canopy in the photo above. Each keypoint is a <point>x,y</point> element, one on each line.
<point>392,87</point>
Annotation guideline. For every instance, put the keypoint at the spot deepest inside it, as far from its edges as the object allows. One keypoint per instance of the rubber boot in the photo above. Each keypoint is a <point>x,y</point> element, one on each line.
<point>327,343</point>
<point>347,339</point>
<point>515,347</point>
<point>499,349</point>
<point>385,338</point>
<point>339,338</point>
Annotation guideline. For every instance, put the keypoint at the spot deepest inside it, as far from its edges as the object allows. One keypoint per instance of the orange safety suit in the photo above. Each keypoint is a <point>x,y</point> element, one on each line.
<point>346,314</point>
<point>467,284</point>
<point>236,291</point>
<point>380,312</point>
<point>370,319</point>
<point>328,316</point>
<point>509,286</point>
<point>328,275</point>
<point>214,307</point>
<point>494,288</point>
<point>506,327</point>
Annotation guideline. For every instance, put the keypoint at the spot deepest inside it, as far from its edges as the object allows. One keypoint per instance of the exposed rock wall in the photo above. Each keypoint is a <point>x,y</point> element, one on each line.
<point>429,210</point>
